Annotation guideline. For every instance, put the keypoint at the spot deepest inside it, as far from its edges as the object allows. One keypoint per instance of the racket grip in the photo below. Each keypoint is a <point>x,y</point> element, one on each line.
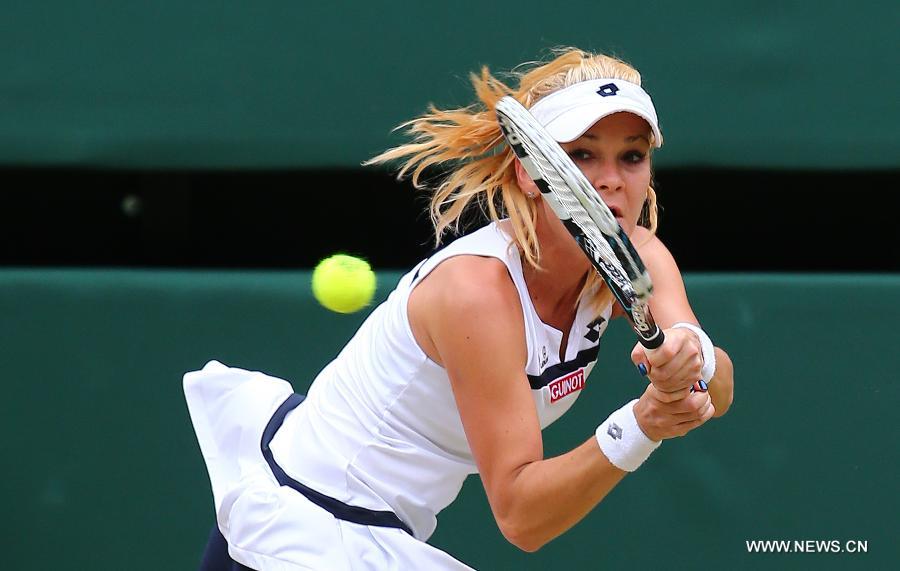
<point>654,339</point>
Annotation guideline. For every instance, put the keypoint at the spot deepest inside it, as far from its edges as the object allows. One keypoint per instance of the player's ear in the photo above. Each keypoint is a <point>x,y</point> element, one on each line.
<point>523,180</point>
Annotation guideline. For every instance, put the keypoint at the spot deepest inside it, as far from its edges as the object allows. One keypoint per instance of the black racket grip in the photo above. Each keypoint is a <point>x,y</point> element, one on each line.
<point>654,339</point>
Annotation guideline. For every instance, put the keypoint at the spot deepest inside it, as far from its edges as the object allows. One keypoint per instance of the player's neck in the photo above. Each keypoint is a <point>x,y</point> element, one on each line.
<point>555,288</point>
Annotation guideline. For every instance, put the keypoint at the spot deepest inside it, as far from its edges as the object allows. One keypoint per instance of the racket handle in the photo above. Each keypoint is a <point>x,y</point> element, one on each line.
<point>654,339</point>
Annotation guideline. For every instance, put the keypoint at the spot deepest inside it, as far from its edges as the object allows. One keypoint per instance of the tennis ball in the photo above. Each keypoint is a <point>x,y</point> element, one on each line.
<point>343,283</point>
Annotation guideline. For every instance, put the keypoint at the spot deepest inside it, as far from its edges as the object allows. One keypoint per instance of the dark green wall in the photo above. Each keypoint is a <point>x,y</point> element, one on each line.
<point>316,84</point>
<point>101,469</point>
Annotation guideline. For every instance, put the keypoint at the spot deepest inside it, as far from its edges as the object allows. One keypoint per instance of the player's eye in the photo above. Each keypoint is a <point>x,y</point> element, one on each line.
<point>580,154</point>
<point>634,157</point>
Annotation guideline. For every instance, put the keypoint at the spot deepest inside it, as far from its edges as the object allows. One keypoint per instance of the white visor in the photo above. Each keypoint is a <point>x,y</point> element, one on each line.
<point>569,112</point>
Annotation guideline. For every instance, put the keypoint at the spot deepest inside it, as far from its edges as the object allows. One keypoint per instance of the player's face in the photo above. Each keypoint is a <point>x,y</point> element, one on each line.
<point>614,155</point>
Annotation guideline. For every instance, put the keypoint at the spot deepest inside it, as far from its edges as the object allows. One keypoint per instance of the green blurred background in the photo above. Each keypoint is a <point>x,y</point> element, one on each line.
<point>286,83</point>
<point>165,169</point>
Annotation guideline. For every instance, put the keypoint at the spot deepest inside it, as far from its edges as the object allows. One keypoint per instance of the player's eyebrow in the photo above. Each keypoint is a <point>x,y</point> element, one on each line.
<point>629,139</point>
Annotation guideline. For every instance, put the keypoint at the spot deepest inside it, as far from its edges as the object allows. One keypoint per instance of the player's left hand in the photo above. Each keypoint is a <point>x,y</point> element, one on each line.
<point>675,365</point>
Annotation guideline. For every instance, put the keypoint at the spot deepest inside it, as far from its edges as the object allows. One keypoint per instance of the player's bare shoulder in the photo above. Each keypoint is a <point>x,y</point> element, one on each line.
<point>652,251</point>
<point>462,288</point>
<point>467,281</point>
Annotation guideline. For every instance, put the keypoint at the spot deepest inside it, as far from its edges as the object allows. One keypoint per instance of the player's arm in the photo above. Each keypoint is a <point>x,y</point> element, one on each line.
<point>678,361</point>
<point>468,311</point>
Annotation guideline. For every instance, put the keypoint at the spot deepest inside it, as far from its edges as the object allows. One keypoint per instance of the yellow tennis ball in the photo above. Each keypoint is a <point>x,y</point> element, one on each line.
<point>343,283</point>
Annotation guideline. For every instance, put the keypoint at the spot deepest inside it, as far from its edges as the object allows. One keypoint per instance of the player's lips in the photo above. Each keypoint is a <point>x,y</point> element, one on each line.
<point>616,211</point>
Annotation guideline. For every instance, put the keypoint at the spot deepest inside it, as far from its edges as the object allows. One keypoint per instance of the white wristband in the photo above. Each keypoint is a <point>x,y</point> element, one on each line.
<point>622,440</point>
<point>706,347</point>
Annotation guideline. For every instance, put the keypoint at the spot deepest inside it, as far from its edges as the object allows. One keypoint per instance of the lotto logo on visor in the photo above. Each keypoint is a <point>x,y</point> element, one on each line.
<point>567,385</point>
<point>608,90</point>
<point>569,112</point>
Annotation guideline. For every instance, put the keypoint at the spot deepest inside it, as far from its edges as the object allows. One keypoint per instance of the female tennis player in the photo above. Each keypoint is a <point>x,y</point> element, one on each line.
<point>478,348</point>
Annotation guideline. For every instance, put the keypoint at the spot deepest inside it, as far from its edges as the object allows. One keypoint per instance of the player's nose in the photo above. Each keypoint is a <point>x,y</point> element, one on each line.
<point>607,178</point>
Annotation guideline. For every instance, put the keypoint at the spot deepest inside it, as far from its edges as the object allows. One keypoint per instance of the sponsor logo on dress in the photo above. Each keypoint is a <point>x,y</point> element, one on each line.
<point>567,385</point>
<point>594,328</point>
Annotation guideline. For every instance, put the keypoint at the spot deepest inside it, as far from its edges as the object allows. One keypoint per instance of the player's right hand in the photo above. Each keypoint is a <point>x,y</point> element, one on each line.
<point>663,415</point>
<point>674,365</point>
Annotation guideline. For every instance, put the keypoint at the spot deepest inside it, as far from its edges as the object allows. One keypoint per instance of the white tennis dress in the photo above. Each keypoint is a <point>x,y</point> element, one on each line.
<point>378,430</point>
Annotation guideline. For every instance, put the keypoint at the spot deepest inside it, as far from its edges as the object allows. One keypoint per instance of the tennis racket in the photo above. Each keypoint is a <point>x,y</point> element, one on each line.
<point>585,216</point>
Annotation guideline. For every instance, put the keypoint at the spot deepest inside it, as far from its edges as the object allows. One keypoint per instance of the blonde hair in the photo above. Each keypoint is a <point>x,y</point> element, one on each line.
<point>480,170</point>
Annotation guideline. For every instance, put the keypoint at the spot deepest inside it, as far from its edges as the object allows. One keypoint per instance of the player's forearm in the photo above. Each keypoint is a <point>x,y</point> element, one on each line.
<point>549,496</point>
<point>721,386</point>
